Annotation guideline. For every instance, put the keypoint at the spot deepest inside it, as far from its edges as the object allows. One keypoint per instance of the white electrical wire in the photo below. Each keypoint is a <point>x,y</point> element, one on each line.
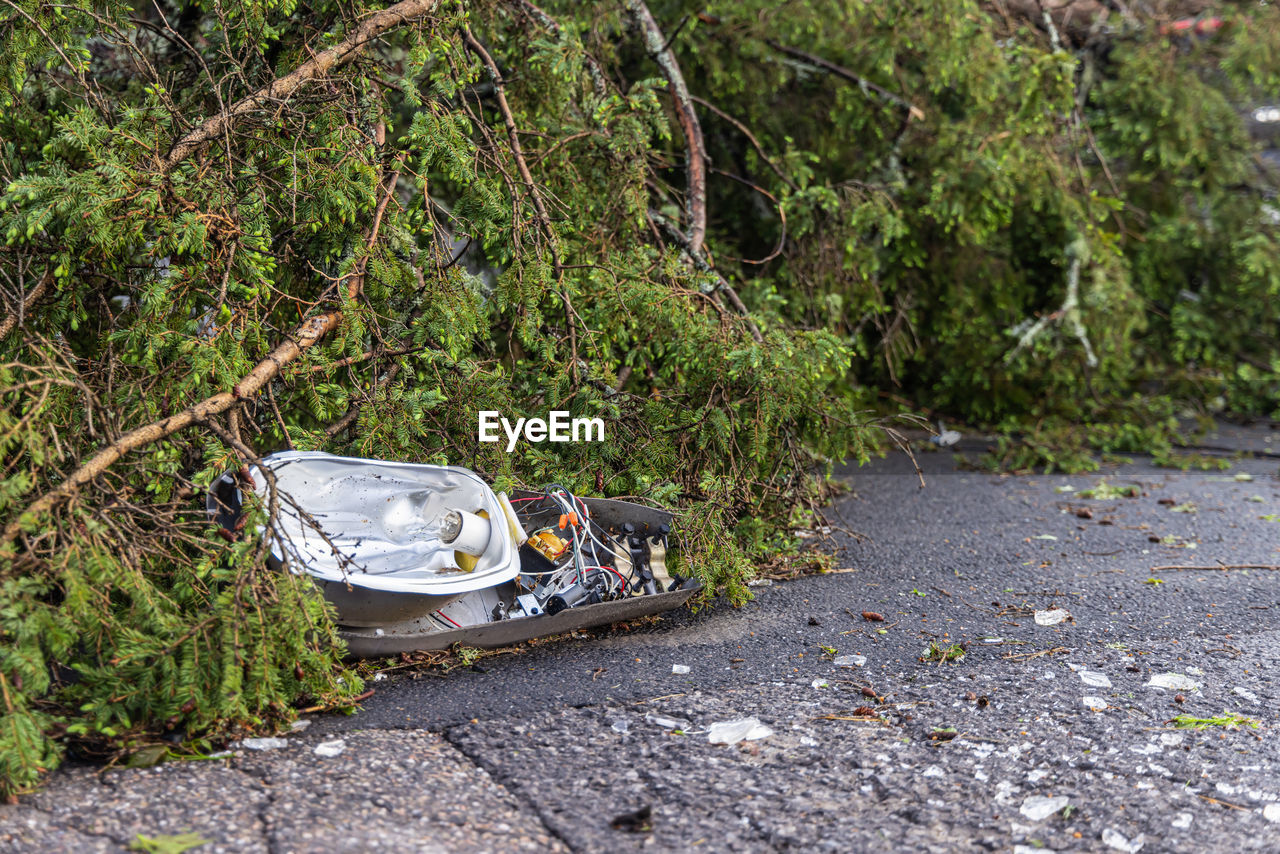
<point>608,548</point>
<point>560,579</point>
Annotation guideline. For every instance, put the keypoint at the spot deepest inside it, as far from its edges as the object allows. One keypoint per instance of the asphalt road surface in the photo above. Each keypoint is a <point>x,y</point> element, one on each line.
<point>1040,737</point>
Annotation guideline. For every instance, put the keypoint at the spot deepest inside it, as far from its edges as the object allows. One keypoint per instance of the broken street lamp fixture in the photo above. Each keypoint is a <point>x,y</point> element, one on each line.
<point>421,557</point>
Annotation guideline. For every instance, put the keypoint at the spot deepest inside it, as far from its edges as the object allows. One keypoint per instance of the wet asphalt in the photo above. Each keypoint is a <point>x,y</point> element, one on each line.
<point>1040,737</point>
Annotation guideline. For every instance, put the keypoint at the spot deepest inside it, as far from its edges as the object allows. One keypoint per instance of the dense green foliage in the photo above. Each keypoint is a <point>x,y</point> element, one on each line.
<point>931,242</point>
<point>981,185</point>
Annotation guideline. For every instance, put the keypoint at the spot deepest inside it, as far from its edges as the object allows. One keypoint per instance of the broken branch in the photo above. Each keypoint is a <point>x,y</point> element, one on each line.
<point>657,48</point>
<point>301,339</point>
<point>690,242</point>
<point>1069,311</point>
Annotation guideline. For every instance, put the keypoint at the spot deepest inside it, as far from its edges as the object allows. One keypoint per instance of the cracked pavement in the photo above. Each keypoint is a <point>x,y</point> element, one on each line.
<point>389,790</point>
<point>1042,737</point>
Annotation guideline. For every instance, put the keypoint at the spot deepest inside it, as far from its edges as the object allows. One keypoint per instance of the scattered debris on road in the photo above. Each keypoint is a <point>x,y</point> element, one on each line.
<point>1052,617</point>
<point>1039,807</point>
<point>741,729</point>
<point>330,749</point>
<point>943,653</point>
<point>1226,719</point>
<point>664,722</point>
<point>1173,682</point>
<point>261,744</point>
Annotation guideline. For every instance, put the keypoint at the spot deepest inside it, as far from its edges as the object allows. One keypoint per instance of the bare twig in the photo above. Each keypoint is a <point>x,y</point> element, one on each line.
<point>1027,656</point>
<point>363,357</point>
<point>16,316</point>
<point>782,216</point>
<point>1223,803</point>
<point>751,138</point>
<point>845,74</point>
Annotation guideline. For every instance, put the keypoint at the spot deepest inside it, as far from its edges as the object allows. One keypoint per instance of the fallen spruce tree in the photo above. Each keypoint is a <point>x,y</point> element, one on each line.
<point>262,226</point>
<point>237,228</point>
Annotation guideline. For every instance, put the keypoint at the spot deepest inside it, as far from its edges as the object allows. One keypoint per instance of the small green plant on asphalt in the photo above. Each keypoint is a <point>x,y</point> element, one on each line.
<point>943,653</point>
<point>1226,719</point>
<point>1105,491</point>
<point>1189,462</point>
<point>168,844</point>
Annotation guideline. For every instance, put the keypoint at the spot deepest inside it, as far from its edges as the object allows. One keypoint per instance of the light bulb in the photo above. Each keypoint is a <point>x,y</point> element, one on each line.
<point>450,525</point>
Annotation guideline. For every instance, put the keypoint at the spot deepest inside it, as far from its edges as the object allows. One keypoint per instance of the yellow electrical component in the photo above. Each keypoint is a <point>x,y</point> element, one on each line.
<point>547,544</point>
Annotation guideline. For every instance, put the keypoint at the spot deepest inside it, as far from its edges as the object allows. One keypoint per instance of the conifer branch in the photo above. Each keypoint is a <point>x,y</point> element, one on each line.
<point>513,136</point>
<point>517,153</point>
<point>593,66</point>
<point>699,262</point>
<point>845,74</point>
<point>304,337</point>
<point>277,90</point>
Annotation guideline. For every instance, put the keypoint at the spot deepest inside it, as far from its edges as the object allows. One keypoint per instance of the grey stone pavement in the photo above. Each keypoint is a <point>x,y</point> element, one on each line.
<point>1042,737</point>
